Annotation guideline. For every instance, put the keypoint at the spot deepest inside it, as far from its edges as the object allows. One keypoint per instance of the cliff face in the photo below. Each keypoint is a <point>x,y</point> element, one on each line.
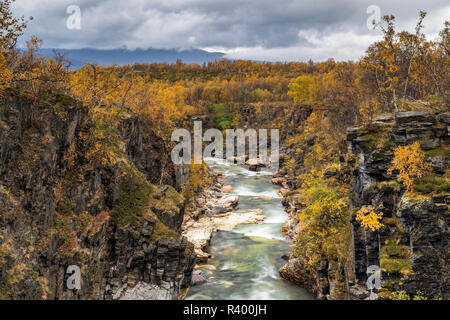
<point>412,247</point>
<point>63,203</point>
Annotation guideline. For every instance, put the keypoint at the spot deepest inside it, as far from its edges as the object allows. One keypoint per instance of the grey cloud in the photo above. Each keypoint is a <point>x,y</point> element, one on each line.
<point>228,24</point>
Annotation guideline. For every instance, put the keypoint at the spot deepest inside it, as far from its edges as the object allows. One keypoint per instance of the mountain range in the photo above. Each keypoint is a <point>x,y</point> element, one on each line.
<point>79,57</point>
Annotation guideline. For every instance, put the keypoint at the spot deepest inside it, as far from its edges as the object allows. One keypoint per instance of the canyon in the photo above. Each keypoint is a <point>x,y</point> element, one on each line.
<point>111,221</point>
<point>134,235</point>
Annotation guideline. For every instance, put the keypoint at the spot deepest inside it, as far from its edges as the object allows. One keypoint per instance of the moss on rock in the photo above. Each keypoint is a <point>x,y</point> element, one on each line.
<point>395,259</point>
<point>134,196</point>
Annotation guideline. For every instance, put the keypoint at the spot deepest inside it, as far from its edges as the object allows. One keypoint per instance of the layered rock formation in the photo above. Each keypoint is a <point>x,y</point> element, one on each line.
<point>64,202</point>
<point>412,247</point>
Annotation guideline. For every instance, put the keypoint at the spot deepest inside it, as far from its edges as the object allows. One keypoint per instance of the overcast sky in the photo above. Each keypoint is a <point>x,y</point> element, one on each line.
<point>273,30</point>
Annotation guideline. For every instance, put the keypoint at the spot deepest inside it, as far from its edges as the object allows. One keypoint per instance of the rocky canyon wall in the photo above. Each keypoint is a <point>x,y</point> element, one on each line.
<point>411,249</point>
<point>64,202</point>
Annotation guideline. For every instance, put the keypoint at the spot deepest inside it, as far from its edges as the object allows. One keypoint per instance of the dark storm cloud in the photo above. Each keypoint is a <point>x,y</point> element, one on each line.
<point>267,29</point>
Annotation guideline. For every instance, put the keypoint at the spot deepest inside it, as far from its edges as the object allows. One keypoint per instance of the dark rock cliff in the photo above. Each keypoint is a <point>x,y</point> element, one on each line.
<point>59,206</point>
<point>412,247</point>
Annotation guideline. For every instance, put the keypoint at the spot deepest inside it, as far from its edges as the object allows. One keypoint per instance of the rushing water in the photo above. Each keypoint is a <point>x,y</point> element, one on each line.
<point>246,260</point>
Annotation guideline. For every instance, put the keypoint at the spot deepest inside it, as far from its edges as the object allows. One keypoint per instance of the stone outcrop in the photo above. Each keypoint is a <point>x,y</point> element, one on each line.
<point>292,204</point>
<point>201,231</point>
<point>255,164</point>
<point>427,225</point>
<point>422,126</point>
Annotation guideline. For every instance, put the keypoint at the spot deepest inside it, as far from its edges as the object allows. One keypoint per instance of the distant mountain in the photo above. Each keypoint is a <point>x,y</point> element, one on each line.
<point>78,57</point>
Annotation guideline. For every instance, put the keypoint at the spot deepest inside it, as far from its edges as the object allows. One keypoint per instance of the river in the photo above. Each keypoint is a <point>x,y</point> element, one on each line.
<point>246,260</point>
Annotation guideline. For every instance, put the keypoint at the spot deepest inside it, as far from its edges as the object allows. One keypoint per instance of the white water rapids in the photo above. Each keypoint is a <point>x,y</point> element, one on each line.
<point>246,260</point>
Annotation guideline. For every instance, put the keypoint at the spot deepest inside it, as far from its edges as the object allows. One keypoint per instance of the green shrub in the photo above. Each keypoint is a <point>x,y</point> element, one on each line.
<point>430,184</point>
<point>443,152</point>
<point>65,207</point>
<point>59,222</point>
<point>163,232</point>
<point>223,116</point>
<point>133,197</point>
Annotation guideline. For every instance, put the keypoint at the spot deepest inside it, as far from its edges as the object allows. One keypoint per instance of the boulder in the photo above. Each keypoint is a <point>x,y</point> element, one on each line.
<point>227,188</point>
<point>198,277</point>
<point>438,164</point>
<point>255,164</point>
<point>229,201</point>
<point>217,210</point>
<point>279,182</point>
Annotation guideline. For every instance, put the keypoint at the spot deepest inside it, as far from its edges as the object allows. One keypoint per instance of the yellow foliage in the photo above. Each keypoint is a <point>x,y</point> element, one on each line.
<point>369,218</point>
<point>369,108</point>
<point>409,161</point>
<point>325,211</point>
<point>35,73</point>
<point>304,89</point>
<point>198,179</point>
<point>5,73</point>
<point>323,223</point>
<point>326,141</point>
<point>96,85</point>
<point>165,104</point>
<point>102,142</point>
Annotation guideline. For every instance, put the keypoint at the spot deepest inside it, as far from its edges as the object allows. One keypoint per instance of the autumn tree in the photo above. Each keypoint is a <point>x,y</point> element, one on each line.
<point>412,45</point>
<point>444,46</point>
<point>199,177</point>
<point>369,219</point>
<point>36,73</point>
<point>369,108</point>
<point>406,66</point>
<point>5,73</point>
<point>340,91</point>
<point>304,89</point>
<point>96,85</point>
<point>323,224</point>
<point>381,60</point>
<point>11,28</point>
<point>409,162</point>
<point>27,69</point>
<point>445,38</point>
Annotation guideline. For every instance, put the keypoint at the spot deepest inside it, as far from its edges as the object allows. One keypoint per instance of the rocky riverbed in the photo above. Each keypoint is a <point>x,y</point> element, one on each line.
<point>214,211</point>
<point>243,248</point>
